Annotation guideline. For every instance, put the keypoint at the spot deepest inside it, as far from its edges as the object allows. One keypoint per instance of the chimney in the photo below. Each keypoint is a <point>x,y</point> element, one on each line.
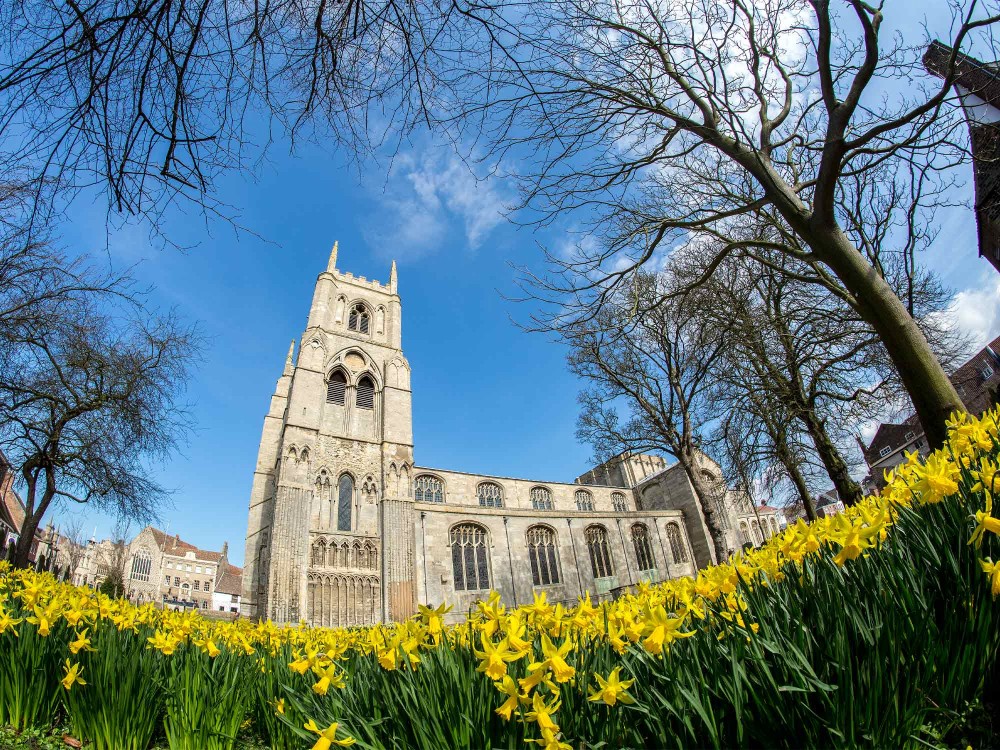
<point>225,550</point>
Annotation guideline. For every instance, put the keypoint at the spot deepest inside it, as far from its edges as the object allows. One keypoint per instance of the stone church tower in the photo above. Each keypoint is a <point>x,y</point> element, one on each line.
<point>330,538</point>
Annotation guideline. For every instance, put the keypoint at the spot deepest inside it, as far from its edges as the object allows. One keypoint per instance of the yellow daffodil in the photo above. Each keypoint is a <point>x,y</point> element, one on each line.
<point>328,736</point>
<point>72,676</point>
<point>612,690</point>
<point>82,642</point>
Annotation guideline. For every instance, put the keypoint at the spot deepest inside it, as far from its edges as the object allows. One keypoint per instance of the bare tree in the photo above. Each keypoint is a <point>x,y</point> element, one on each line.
<point>150,102</point>
<point>72,545</point>
<point>658,368</point>
<point>659,120</point>
<point>85,400</point>
<point>113,560</point>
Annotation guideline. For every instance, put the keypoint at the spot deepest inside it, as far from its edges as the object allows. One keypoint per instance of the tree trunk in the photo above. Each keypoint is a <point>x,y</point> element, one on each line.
<point>933,395</point>
<point>22,550</point>
<point>795,474</point>
<point>705,501</point>
<point>849,491</point>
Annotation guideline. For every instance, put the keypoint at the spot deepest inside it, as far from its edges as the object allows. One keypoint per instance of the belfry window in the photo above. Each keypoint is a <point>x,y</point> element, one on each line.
<point>428,489</point>
<point>490,495</point>
<point>469,558</point>
<point>643,549</point>
<point>336,388</point>
<point>542,556</point>
<point>359,320</point>
<point>584,500</point>
<point>366,393</point>
<point>345,499</point>
<point>541,498</point>
<point>600,552</point>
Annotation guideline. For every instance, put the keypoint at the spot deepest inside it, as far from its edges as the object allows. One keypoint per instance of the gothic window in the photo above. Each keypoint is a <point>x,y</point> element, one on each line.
<point>142,565</point>
<point>643,550</point>
<point>543,556</point>
<point>584,500</point>
<point>366,393</point>
<point>774,525</point>
<point>541,498</point>
<point>428,489</point>
<point>336,388</point>
<point>618,502</point>
<point>758,537</point>
<point>359,320</point>
<point>469,557</point>
<point>345,498</point>
<point>744,533</point>
<point>490,495</point>
<point>600,552</point>
<point>676,540</point>
<point>722,517</point>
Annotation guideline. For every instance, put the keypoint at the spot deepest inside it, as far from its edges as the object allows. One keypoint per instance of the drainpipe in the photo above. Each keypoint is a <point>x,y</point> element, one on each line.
<point>621,534</point>
<point>572,541</point>
<point>423,553</point>
<point>510,561</point>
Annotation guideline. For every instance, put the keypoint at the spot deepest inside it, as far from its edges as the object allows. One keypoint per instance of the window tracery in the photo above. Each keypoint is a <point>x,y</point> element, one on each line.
<point>541,498</point>
<point>542,555</point>
<point>490,495</point>
<point>643,549</point>
<point>359,319</point>
<point>676,541</point>
<point>619,502</point>
<point>428,489</point>
<point>469,557</point>
<point>600,552</point>
<point>584,500</point>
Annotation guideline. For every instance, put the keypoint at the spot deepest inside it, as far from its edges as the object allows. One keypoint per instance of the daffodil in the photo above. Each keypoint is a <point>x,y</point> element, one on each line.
<point>992,569</point>
<point>82,642</point>
<point>72,676</point>
<point>612,690</point>
<point>541,713</point>
<point>328,678</point>
<point>328,736</point>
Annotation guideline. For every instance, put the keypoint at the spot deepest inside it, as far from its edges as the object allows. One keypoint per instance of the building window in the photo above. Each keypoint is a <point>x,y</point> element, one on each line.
<point>676,540</point>
<point>758,536</point>
<point>908,436</point>
<point>600,553</point>
<point>177,581</point>
<point>166,580</point>
<point>428,489</point>
<point>541,498</point>
<point>745,533</point>
<point>643,550</point>
<point>142,565</point>
<point>490,495</point>
<point>197,568</point>
<point>366,393</point>
<point>774,525</point>
<point>543,556</point>
<point>986,372</point>
<point>359,319</point>
<point>469,558</point>
<point>345,498</point>
<point>584,500</point>
<point>208,585</point>
<point>336,388</point>
<point>618,502</point>
<point>197,585</point>
<point>884,452</point>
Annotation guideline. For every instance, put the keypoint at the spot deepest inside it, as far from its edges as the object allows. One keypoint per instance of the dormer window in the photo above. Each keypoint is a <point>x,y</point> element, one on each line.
<point>884,452</point>
<point>359,320</point>
<point>908,436</point>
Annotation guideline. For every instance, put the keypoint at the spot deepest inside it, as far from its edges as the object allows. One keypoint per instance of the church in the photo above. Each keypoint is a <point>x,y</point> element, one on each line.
<point>345,529</point>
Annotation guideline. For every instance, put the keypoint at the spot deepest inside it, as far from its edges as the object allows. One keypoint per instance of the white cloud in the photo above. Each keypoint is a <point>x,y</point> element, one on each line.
<point>976,310</point>
<point>426,195</point>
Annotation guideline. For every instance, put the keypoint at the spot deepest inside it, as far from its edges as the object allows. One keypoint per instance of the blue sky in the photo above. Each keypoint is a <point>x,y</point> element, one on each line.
<point>488,397</point>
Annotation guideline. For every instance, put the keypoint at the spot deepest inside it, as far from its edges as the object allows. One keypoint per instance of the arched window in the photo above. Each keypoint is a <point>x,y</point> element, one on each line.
<point>643,550</point>
<point>774,525</point>
<point>142,564</point>
<point>366,393</point>
<point>490,495</point>
<point>758,537</point>
<point>336,388</point>
<point>543,556</point>
<point>676,540</point>
<point>584,500</point>
<point>722,517</point>
<point>541,498</point>
<point>345,499</point>
<point>469,557</point>
<point>618,502</point>
<point>359,319</point>
<point>428,489</point>
<point>745,533</point>
<point>600,553</point>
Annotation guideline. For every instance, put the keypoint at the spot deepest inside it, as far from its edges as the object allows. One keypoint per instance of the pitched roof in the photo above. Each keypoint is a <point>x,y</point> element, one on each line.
<point>893,437</point>
<point>980,78</point>
<point>978,380</point>
<point>229,580</point>
<point>174,545</point>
